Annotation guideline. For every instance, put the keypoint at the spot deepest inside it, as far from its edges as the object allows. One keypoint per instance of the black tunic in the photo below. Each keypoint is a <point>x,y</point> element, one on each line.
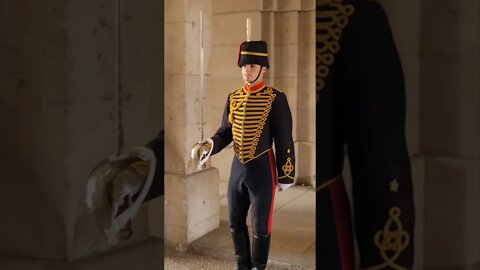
<point>361,107</point>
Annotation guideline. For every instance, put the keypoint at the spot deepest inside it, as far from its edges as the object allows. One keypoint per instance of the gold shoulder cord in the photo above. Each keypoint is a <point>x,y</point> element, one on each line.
<point>330,23</point>
<point>235,103</point>
<point>392,240</point>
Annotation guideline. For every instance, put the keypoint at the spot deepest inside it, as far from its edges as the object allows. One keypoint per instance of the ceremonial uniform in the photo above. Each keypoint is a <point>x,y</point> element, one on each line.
<point>361,107</point>
<point>256,116</point>
<point>257,119</point>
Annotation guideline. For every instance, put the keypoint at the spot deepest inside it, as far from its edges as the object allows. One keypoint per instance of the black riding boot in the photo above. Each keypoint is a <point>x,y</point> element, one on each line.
<point>261,246</point>
<point>241,243</point>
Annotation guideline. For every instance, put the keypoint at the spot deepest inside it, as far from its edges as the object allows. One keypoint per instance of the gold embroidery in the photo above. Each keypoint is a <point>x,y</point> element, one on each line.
<point>245,162</point>
<point>394,185</point>
<point>287,169</point>
<point>141,167</point>
<point>253,53</point>
<point>391,241</point>
<point>248,115</point>
<point>332,17</point>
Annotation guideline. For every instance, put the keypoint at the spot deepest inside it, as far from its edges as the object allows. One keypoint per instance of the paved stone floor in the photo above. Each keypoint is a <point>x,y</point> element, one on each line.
<point>184,261</point>
<point>181,261</point>
<point>292,243</point>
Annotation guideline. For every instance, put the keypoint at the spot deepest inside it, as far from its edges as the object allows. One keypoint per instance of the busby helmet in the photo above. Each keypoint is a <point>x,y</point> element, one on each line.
<point>253,52</point>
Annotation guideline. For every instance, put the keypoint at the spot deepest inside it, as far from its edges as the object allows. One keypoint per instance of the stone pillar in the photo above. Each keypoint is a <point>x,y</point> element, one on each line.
<point>92,123</point>
<point>34,137</point>
<point>449,132</point>
<point>191,197</point>
<point>228,31</point>
<point>57,111</point>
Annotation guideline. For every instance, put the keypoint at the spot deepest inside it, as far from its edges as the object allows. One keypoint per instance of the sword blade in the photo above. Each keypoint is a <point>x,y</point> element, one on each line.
<point>202,73</point>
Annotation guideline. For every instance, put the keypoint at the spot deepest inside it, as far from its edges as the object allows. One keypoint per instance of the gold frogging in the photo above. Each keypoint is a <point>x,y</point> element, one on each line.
<point>391,241</point>
<point>248,114</point>
<point>287,169</point>
<point>332,17</point>
<point>141,167</point>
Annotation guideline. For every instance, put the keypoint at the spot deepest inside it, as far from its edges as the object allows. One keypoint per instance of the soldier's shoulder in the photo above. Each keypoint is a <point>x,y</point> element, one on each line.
<point>275,90</point>
<point>237,91</point>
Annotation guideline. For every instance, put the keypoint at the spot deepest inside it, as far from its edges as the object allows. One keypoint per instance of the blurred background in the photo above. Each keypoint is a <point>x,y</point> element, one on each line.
<point>439,45</point>
<point>59,81</point>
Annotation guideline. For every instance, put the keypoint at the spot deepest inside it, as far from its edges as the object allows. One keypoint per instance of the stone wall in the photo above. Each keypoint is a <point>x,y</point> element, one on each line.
<point>57,110</point>
<point>438,42</point>
<point>449,132</point>
<point>191,195</point>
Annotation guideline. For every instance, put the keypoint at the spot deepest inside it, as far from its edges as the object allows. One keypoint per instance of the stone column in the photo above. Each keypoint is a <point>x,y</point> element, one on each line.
<point>34,137</point>
<point>57,111</point>
<point>449,132</point>
<point>191,196</point>
<point>92,110</point>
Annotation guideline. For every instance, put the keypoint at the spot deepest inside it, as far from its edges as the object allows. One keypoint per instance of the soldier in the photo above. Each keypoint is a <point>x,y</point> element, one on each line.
<point>361,106</point>
<point>256,116</point>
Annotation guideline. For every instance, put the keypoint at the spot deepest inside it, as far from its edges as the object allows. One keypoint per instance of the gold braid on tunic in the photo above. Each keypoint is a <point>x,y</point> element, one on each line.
<point>248,114</point>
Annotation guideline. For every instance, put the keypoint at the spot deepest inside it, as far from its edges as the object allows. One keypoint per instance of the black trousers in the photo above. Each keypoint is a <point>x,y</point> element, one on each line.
<point>252,184</point>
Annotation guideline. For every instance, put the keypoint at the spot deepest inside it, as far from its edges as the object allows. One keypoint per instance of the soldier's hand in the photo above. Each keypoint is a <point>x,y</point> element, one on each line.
<point>201,152</point>
<point>281,187</point>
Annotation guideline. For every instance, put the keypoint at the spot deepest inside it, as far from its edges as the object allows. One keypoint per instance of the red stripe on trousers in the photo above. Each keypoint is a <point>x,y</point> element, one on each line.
<point>274,184</point>
<point>341,213</point>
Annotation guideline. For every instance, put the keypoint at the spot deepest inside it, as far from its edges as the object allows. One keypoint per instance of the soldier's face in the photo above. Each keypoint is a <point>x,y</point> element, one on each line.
<point>250,73</point>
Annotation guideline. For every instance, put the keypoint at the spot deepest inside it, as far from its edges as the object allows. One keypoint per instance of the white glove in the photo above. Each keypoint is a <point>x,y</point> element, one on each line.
<point>201,151</point>
<point>282,187</point>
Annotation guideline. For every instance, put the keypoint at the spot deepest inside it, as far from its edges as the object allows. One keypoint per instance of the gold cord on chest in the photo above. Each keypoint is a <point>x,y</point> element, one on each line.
<point>248,114</point>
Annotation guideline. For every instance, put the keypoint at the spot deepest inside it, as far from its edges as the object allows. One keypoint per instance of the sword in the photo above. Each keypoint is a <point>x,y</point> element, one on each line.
<point>118,98</point>
<point>199,147</point>
<point>249,29</point>
<point>202,73</point>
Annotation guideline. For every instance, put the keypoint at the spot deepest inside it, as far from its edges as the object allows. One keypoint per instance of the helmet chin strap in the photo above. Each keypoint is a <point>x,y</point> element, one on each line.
<point>258,75</point>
